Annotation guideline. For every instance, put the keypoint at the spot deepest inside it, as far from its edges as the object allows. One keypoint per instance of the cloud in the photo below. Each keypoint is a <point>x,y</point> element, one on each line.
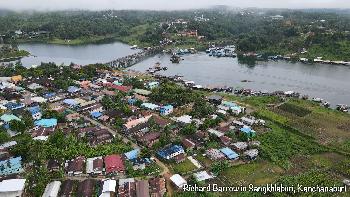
<point>165,4</point>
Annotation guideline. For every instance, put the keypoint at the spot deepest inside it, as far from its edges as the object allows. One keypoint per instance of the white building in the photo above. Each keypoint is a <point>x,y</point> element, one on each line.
<point>178,180</point>
<point>109,187</point>
<point>202,176</point>
<point>185,119</point>
<point>93,166</point>
<point>12,187</point>
<point>52,189</point>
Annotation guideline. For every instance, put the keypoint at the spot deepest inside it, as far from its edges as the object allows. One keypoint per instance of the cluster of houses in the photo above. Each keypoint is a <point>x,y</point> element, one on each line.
<point>236,150</point>
<point>81,112</point>
<point>110,165</point>
<point>91,187</point>
<point>107,187</point>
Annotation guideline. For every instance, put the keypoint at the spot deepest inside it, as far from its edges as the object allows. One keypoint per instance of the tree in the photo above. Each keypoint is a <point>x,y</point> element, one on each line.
<point>118,123</point>
<point>135,82</point>
<point>219,167</point>
<point>189,129</point>
<point>17,126</point>
<point>107,102</point>
<point>28,120</point>
<point>58,139</point>
<point>4,137</point>
<point>201,109</point>
<point>54,114</point>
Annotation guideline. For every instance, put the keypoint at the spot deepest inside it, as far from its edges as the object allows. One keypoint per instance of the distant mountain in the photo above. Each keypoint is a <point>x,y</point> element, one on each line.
<point>4,12</point>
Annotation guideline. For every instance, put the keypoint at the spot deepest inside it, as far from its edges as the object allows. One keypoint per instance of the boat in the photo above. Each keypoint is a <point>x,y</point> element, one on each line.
<point>133,47</point>
<point>157,65</point>
<point>317,100</point>
<point>342,108</point>
<point>326,104</point>
<point>175,59</point>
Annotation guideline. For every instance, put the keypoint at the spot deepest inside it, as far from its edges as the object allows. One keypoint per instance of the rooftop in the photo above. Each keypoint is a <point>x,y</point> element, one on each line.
<point>52,122</point>
<point>229,153</point>
<point>9,117</point>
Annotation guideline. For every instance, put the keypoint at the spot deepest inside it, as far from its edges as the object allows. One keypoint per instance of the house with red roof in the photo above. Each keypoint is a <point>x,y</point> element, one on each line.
<point>114,164</point>
<point>118,87</point>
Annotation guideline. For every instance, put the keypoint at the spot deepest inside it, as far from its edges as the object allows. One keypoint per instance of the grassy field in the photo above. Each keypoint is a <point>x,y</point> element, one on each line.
<point>204,160</point>
<point>137,32</point>
<point>183,168</point>
<point>305,144</point>
<point>328,127</point>
<point>258,173</point>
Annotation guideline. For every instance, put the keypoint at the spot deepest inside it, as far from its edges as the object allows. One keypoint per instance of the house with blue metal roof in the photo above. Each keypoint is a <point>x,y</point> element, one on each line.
<point>6,118</point>
<point>70,102</point>
<point>171,152</point>
<point>35,112</point>
<point>229,153</point>
<point>132,154</point>
<point>96,114</point>
<point>49,95</point>
<point>46,123</point>
<point>228,104</point>
<point>11,166</point>
<point>249,132</point>
<point>14,106</point>
<point>132,101</point>
<point>166,110</point>
<point>236,109</point>
<point>73,89</point>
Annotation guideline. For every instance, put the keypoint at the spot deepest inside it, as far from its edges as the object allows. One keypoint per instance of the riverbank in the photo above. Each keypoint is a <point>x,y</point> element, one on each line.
<point>78,41</point>
<point>13,55</point>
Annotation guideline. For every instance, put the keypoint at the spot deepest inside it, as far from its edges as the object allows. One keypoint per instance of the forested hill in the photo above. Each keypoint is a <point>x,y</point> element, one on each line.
<point>270,31</point>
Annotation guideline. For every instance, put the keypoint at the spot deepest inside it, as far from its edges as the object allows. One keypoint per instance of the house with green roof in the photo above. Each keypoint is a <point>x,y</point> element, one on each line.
<point>142,92</point>
<point>7,118</point>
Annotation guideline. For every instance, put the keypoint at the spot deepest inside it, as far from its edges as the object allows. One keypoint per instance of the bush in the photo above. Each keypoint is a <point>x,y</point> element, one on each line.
<point>294,109</point>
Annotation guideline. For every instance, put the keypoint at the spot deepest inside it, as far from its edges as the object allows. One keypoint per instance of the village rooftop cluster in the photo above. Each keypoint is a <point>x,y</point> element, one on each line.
<point>87,110</point>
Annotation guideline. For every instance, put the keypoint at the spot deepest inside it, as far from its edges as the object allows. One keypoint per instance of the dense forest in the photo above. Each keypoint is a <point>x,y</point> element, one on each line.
<point>321,32</point>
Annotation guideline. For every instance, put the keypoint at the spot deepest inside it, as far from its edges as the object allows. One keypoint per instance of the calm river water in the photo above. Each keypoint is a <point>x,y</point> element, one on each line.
<point>329,82</point>
<point>81,54</point>
<point>326,81</point>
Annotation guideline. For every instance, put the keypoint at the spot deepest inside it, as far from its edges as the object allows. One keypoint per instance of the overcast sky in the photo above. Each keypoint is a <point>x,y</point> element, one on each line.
<point>165,4</point>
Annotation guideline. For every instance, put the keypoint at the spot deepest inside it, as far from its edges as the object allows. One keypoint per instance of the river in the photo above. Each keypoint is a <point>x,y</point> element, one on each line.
<point>330,82</point>
<point>79,54</point>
